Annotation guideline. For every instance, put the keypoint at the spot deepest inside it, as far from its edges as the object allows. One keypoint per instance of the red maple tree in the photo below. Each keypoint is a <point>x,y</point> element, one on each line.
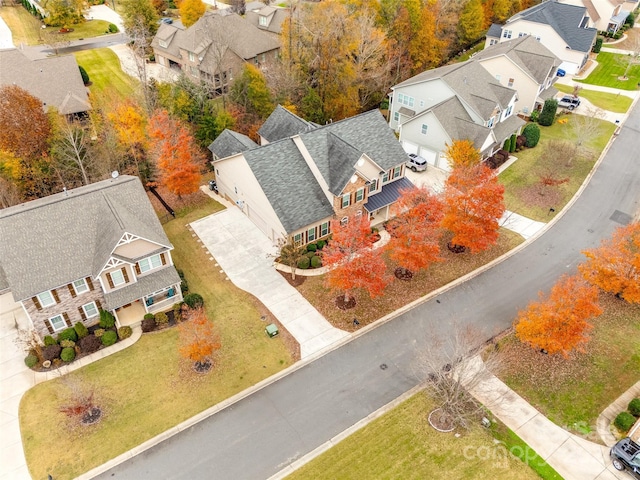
<point>415,231</point>
<point>351,260</point>
<point>615,265</point>
<point>198,338</point>
<point>177,156</point>
<point>474,202</point>
<point>559,323</point>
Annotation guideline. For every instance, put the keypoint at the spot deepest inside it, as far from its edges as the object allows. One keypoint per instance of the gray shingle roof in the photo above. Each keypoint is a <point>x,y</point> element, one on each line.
<point>289,184</point>
<point>458,124</point>
<point>495,31</point>
<point>229,143</point>
<point>275,18</point>
<point>146,284</point>
<point>283,124</point>
<point>51,241</point>
<point>567,20</point>
<point>54,80</point>
<point>507,127</point>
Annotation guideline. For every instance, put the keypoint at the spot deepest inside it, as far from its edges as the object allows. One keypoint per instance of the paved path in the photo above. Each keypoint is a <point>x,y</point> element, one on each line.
<point>246,255</point>
<point>522,225</point>
<point>606,418</point>
<point>103,12</point>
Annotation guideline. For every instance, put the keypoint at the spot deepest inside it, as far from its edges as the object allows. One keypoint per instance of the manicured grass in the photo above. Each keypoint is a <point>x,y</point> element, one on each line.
<point>25,28</point>
<point>606,101</point>
<point>610,67</point>
<point>88,29</point>
<point>573,392</point>
<point>402,445</point>
<point>103,67</point>
<point>524,192</point>
<point>147,388</point>
<point>399,293</point>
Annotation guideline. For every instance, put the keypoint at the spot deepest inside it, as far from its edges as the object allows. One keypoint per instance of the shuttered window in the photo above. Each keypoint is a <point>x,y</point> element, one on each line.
<point>150,263</point>
<point>117,278</point>
<point>46,299</point>
<point>58,323</point>
<point>90,310</point>
<point>80,286</point>
<point>89,282</point>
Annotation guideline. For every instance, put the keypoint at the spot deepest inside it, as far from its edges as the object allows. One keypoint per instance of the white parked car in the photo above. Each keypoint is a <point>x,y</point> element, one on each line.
<point>417,163</point>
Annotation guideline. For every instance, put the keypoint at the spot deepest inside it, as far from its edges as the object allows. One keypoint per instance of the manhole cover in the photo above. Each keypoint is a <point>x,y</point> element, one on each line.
<point>383,366</point>
<point>621,217</point>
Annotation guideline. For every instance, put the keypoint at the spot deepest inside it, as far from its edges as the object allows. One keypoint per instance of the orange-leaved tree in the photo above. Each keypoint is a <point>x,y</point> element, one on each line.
<point>129,122</point>
<point>462,153</point>
<point>351,260</point>
<point>474,202</point>
<point>198,339</point>
<point>177,156</point>
<point>415,231</point>
<point>559,323</point>
<point>615,265</point>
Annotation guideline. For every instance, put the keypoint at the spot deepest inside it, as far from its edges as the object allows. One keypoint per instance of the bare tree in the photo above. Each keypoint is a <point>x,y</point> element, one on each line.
<point>584,126</point>
<point>71,148</point>
<point>451,369</point>
<point>9,193</point>
<point>140,42</point>
<point>632,58</point>
<point>79,401</point>
<point>290,254</point>
<point>29,341</point>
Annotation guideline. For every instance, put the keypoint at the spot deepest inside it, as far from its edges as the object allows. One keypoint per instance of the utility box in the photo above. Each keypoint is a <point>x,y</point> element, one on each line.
<point>271,330</point>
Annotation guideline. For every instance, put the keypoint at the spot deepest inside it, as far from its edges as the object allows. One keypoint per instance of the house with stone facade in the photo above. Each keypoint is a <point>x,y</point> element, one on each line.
<point>303,175</point>
<point>215,49</point>
<point>65,257</point>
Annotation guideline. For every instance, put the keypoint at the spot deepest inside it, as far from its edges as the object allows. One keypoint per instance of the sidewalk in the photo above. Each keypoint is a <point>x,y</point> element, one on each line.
<point>246,257</point>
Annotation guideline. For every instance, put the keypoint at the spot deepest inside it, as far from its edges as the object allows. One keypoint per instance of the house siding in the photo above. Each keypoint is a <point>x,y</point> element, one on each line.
<point>425,94</point>
<point>354,206</point>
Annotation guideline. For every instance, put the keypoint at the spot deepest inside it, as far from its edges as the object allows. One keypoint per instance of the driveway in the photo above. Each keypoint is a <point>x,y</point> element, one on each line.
<point>246,255</point>
<point>6,39</point>
<point>103,12</point>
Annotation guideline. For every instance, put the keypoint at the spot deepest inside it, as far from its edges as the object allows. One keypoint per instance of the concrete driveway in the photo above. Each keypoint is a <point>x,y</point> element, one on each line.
<point>246,255</point>
<point>6,39</point>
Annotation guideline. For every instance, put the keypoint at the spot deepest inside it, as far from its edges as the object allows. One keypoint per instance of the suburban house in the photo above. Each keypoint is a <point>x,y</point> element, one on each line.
<point>54,80</point>
<point>562,28</point>
<point>215,48</point>
<point>294,185</point>
<point>65,257</point>
<point>455,102</point>
<point>606,15</point>
<point>268,18</point>
<point>525,65</point>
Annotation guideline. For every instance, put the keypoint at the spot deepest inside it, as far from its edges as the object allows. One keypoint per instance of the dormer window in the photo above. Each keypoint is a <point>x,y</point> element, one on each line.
<point>149,263</point>
<point>490,123</point>
<point>263,21</point>
<point>162,43</point>
<point>192,57</point>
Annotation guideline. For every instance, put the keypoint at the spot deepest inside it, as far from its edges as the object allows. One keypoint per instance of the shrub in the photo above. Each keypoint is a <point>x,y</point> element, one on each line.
<point>304,263</point>
<point>89,344</point>
<point>113,28</point>
<point>109,338</point>
<point>51,352</point>
<point>548,114</point>
<point>631,20</point>
<point>81,330</point>
<point>68,354</point>
<point>321,244</point>
<point>634,407</point>
<point>316,262</point>
<point>534,116</point>
<point>624,421</point>
<point>84,75</point>
<point>598,45</point>
<point>148,316</point>
<point>532,134</point>
<point>49,340</point>
<point>107,320</point>
<point>67,344</point>
<point>312,247</point>
<point>506,144</point>
<point>124,332</point>
<point>177,309</point>
<point>184,286</point>
<point>148,325</point>
<point>512,143</point>
<point>521,141</point>
<point>194,300</point>
<point>310,254</point>
<point>161,319</point>
<point>31,360</point>
<point>68,334</point>
<point>99,332</point>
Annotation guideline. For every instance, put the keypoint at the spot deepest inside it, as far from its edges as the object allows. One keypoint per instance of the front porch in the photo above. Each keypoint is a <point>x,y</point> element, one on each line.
<point>378,206</point>
<point>130,315</point>
<point>133,313</point>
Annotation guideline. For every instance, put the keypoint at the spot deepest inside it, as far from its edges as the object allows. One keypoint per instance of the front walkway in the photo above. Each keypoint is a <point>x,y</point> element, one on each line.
<point>246,256</point>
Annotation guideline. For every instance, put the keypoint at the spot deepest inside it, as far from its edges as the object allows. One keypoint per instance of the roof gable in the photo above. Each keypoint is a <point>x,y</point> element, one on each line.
<point>229,143</point>
<point>283,124</point>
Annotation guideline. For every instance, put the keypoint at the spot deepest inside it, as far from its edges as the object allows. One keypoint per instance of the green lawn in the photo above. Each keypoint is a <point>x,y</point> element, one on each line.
<point>607,101</point>
<point>146,388</point>
<point>610,67</point>
<point>402,445</point>
<point>103,67</point>
<point>524,192</point>
<point>573,392</point>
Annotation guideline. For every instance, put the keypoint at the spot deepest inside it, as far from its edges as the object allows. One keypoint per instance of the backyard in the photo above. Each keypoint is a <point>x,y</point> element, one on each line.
<point>103,67</point>
<point>610,69</point>
<point>402,444</point>
<point>146,388</point>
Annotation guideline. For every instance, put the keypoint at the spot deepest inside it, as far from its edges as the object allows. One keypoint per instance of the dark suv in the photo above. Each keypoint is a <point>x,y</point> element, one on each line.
<point>625,455</point>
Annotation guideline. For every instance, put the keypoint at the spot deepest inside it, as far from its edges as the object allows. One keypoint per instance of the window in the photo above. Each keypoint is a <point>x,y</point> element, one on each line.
<point>117,278</point>
<point>510,82</point>
<point>521,34</point>
<point>311,234</point>
<point>498,77</point>
<point>424,128</point>
<point>396,171</point>
<point>58,323</point>
<point>509,110</point>
<point>405,100</point>
<point>537,37</point>
<point>373,186</point>
<point>359,194</point>
<point>80,286</point>
<point>396,116</point>
<point>162,43</point>
<point>263,21</point>
<point>90,310</point>
<point>507,34</point>
<point>324,229</point>
<point>192,57</point>
<point>358,213</point>
<point>493,41</point>
<point>150,263</point>
<point>385,177</point>
<point>344,221</point>
<point>490,123</point>
<point>346,200</point>
<point>421,103</point>
<point>297,239</point>
<point>46,299</point>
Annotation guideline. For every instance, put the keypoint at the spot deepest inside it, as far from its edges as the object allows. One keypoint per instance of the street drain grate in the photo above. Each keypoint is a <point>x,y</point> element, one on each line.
<point>621,217</point>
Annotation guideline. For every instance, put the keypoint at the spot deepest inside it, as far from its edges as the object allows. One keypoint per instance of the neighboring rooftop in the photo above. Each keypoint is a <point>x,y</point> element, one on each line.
<point>283,124</point>
<point>56,81</point>
<point>229,143</point>
<point>268,18</point>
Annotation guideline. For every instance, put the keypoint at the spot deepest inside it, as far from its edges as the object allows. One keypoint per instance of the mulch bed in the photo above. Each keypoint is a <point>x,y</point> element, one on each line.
<point>343,304</point>
<point>403,274</point>
<point>299,280</point>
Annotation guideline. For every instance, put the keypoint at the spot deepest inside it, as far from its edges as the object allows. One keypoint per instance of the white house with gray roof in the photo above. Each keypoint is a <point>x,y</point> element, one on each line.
<point>525,65</point>
<point>65,257</point>
<point>564,29</point>
<point>455,102</point>
<point>606,15</point>
<point>296,185</point>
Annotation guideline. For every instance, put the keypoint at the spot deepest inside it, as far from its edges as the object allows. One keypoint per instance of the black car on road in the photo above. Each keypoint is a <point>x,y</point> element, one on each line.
<point>625,455</point>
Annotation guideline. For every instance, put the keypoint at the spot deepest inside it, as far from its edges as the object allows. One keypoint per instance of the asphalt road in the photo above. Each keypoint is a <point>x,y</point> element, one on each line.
<point>41,51</point>
<point>258,436</point>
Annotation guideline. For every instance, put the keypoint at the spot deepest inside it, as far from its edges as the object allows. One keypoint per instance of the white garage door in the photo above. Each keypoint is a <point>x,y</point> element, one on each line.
<point>409,147</point>
<point>429,155</point>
